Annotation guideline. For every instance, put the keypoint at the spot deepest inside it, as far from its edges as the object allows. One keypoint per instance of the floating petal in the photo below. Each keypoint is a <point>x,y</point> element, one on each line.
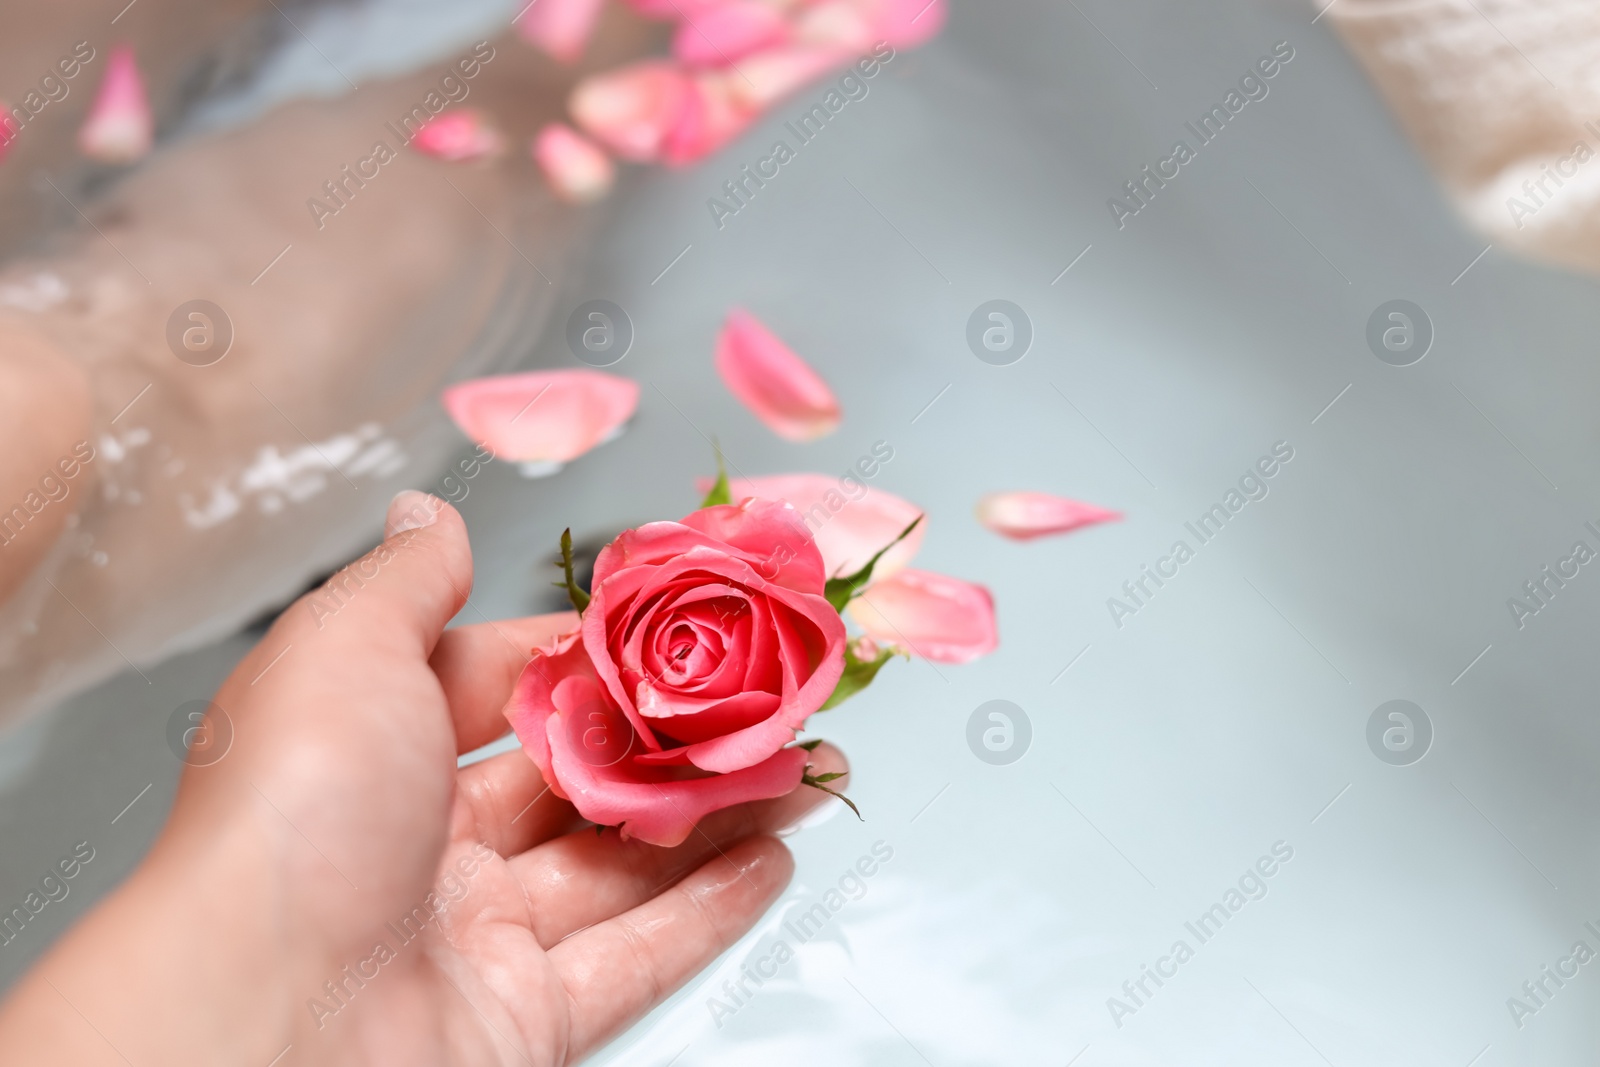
<point>721,36</point>
<point>674,10</point>
<point>774,383</point>
<point>560,28</point>
<point>849,522</point>
<point>459,136</point>
<point>906,23</point>
<point>715,111</point>
<point>842,24</point>
<point>120,128</point>
<point>773,74</point>
<point>930,615</point>
<point>574,166</point>
<point>632,111</point>
<point>543,416</point>
<point>1023,516</point>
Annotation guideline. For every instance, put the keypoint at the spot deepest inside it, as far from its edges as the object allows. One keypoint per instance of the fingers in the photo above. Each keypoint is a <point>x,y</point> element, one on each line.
<point>503,801</point>
<point>582,879</point>
<point>618,970</point>
<point>478,666</point>
<point>402,593</point>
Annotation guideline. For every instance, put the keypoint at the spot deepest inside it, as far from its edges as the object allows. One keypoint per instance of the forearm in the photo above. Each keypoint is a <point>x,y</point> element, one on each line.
<point>153,974</point>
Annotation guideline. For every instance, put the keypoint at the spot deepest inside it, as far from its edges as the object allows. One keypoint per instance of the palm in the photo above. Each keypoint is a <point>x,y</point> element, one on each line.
<point>549,937</point>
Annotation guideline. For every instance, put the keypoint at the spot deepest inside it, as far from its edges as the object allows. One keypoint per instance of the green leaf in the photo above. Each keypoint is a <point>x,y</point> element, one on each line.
<point>720,492</point>
<point>858,674</point>
<point>580,599</point>
<point>816,783</point>
<point>840,591</point>
<point>830,776</point>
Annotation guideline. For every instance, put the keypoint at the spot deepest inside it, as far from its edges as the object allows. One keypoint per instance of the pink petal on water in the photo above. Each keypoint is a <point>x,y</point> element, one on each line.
<point>930,615</point>
<point>1023,516</point>
<point>849,521</point>
<point>721,36</point>
<point>633,110</point>
<point>120,128</point>
<point>906,23</point>
<point>560,28</point>
<point>714,113</point>
<point>574,166</point>
<point>842,24</point>
<point>542,416</point>
<point>769,76</point>
<point>459,136</point>
<point>778,386</point>
<point>674,10</point>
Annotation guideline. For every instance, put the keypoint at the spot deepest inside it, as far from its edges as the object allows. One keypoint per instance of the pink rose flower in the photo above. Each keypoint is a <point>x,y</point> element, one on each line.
<point>706,645</point>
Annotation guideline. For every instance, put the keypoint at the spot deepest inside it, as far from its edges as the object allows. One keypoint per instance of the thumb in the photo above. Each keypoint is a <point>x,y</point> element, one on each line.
<point>408,588</point>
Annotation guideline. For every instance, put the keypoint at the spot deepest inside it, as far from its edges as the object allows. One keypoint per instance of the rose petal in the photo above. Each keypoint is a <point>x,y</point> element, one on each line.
<point>763,672</point>
<point>632,110</point>
<point>561,28</point>
<point>771,75</point>
<point>1023,516</point>
<point>714,112</point>
<point>542,415</point>
<point>120,127</point>
<point>582,747</point>
<point>842,24</point>
<point>664,811</point>
<point>931,615</point>
<point>766,534</point>
<point>535,697</point>
<point>675,10</point>
<point>778,386</point>
<point>803,640</point>
<point>907,23</point>
<point>621,593</point>
<point>689,648</point>
<point>849,523</point>
<point>574,166</point>
<point>459,136</point>
<point>811,636</point>
<point>664,689</point>
<point>721,36</point>
<point>719,719</point>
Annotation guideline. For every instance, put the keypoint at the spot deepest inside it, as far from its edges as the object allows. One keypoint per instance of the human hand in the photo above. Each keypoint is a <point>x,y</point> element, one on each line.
<point>334,890</point>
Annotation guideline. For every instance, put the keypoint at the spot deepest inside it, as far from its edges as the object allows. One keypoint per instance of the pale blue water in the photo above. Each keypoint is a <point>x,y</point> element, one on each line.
<point>1229,714</point>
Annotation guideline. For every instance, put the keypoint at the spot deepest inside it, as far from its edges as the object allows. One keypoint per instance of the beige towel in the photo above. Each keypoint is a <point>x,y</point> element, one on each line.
<point>1503,96</point>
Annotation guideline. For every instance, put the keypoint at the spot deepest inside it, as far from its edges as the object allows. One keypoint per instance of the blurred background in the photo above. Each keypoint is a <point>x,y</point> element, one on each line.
<point>1159,755</point>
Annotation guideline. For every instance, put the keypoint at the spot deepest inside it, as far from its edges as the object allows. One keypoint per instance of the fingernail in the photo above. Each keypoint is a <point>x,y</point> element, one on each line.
<point>410,510</point>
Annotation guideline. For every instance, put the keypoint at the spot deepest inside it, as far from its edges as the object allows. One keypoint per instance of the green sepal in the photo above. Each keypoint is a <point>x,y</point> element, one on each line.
<point>840,591</point>
<point>580,599</point>
<point>815,782</point>
<point>720,493</point>
<point>810,746</point>
<point>858,674</point>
